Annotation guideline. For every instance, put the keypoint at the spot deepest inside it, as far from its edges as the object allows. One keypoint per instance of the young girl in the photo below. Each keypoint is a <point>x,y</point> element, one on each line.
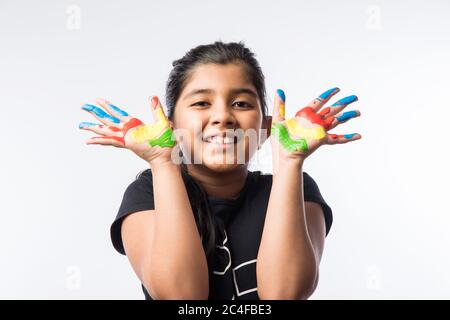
<point>205,227</point>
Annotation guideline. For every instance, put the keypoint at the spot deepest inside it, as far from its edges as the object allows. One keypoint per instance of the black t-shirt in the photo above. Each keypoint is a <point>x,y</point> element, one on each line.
<point>240,224</point>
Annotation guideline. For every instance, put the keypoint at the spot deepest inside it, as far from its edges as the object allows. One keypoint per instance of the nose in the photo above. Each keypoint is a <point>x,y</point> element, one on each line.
<point>222,115</point>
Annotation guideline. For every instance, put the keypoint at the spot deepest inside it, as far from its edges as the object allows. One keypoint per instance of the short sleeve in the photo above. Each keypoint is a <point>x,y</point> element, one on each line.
<point>312,193</point>
<point>137,197</point>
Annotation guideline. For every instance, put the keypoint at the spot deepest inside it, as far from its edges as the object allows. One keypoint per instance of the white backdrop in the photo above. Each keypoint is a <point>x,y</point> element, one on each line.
<point>387,191</point>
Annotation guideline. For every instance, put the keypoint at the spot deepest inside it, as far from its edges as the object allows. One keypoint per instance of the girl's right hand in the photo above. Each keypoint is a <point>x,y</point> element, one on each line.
<point>151,142</point>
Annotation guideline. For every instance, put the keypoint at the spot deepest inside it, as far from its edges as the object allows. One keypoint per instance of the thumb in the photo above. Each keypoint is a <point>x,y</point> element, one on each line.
<point>279,106</point>
<point>157,110</point>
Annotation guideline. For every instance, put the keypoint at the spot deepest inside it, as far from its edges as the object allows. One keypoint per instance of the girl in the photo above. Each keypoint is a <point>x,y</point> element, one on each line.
<point>198,224</point>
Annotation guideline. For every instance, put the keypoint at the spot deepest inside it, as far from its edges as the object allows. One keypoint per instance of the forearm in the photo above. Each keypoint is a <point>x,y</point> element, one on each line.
<point>287,266</point>
<point>178,259</point>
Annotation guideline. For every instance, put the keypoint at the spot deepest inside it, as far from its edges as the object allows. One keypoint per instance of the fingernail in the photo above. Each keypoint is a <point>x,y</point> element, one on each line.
<point>118,110</point>
<point>345,100</point>
<point>327,93</point>
<point>347,115</point>
<point>83,125</point>
<point>350,135</point>
<point>154,102</point>
<point>281,95</point>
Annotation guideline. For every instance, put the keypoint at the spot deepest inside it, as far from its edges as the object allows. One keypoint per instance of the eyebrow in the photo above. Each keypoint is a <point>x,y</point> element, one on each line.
<point>233,91</point>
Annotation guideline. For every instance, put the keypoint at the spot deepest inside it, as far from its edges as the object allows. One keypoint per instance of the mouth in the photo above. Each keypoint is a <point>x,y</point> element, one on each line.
<point>221,140</point>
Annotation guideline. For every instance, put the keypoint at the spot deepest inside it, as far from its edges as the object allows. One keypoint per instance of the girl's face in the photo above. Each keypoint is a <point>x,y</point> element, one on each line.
<point>219,117</point>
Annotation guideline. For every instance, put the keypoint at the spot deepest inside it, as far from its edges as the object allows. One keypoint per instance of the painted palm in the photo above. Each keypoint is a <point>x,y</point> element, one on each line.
<point>309,128</point>
<point>121,130</point>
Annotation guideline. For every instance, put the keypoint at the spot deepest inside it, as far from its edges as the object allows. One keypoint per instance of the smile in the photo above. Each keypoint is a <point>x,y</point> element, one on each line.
<point>220,140</point>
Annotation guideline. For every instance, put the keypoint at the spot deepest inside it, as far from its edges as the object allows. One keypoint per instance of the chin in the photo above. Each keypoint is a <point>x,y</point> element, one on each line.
<point>225,160</point>
<point>227,155</point>
<point>222,167</point>
<point>219,162</point>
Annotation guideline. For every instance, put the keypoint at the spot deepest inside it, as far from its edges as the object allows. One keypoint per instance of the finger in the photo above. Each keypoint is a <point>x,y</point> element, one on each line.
<point>101,115</point>
<point>338,106</point>
<point>107,141</point>
<point>318,102</point>
<point>342,118</point>
<point>112,109</point>
<point>342,138</point>
<point>157,111</point>
<point>100,129</point>
<point>279,108</point>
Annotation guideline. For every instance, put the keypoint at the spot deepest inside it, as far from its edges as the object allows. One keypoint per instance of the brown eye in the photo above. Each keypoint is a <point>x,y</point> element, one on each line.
<point>243,105</point>
<point>200,103</point>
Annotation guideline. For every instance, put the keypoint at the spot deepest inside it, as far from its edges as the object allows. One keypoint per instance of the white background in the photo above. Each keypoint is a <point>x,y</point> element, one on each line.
<point>388,191</point>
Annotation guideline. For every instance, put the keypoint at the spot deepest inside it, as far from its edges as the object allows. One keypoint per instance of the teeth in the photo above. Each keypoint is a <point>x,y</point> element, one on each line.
<point>220,139</point>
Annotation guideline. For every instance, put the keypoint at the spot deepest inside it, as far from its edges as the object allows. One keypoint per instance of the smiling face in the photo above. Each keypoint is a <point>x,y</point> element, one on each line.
<point>220,117</point>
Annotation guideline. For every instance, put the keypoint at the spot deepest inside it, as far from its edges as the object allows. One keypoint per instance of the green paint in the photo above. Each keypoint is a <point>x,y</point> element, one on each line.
<point>280,132</point>
<point>164,140</point>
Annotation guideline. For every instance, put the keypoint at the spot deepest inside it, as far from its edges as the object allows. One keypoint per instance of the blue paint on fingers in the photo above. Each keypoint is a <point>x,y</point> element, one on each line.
<point>281,95</point>
<point>349,135</point>
<point>83,125</point>
<point>118,110</point>
<point>346,116</point>
<point>345,101</point>
<point>100,113</point>
<point>327,93</point>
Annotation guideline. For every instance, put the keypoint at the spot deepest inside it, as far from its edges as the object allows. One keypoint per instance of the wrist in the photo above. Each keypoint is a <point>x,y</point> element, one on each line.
<point>161,164</point>
<point>288,164</point>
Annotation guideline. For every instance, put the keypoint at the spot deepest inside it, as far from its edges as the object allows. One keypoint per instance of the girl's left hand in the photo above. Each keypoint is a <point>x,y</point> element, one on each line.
<point>298,137</point>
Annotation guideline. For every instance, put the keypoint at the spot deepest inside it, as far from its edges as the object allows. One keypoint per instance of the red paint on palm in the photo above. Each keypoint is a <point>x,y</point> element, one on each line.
<point>309,114</point>
<point>133,122</point>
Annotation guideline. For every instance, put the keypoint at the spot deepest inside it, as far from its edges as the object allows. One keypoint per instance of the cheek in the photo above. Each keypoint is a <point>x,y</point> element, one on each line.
<point>252,120</point>
<point>187,120</point>
<point>188,130</point>
<point>189,141</point>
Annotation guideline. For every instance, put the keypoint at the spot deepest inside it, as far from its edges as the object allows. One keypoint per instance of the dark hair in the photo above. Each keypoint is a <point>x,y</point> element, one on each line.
<point>217,53</point>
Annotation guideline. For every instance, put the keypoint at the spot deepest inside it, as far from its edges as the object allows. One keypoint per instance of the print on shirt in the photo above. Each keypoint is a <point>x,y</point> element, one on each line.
<point>242,275</point>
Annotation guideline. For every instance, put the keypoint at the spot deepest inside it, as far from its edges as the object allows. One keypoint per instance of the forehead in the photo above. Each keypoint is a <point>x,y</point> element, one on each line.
<point>218,77</point>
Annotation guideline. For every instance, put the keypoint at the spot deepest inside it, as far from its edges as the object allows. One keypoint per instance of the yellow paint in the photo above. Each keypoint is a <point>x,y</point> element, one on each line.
<point>282,110</point>
<point>315,133</point>
<point>151,131</point>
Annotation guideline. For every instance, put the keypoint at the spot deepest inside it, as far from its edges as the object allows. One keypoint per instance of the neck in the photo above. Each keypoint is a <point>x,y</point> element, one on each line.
<point>220,184</point>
